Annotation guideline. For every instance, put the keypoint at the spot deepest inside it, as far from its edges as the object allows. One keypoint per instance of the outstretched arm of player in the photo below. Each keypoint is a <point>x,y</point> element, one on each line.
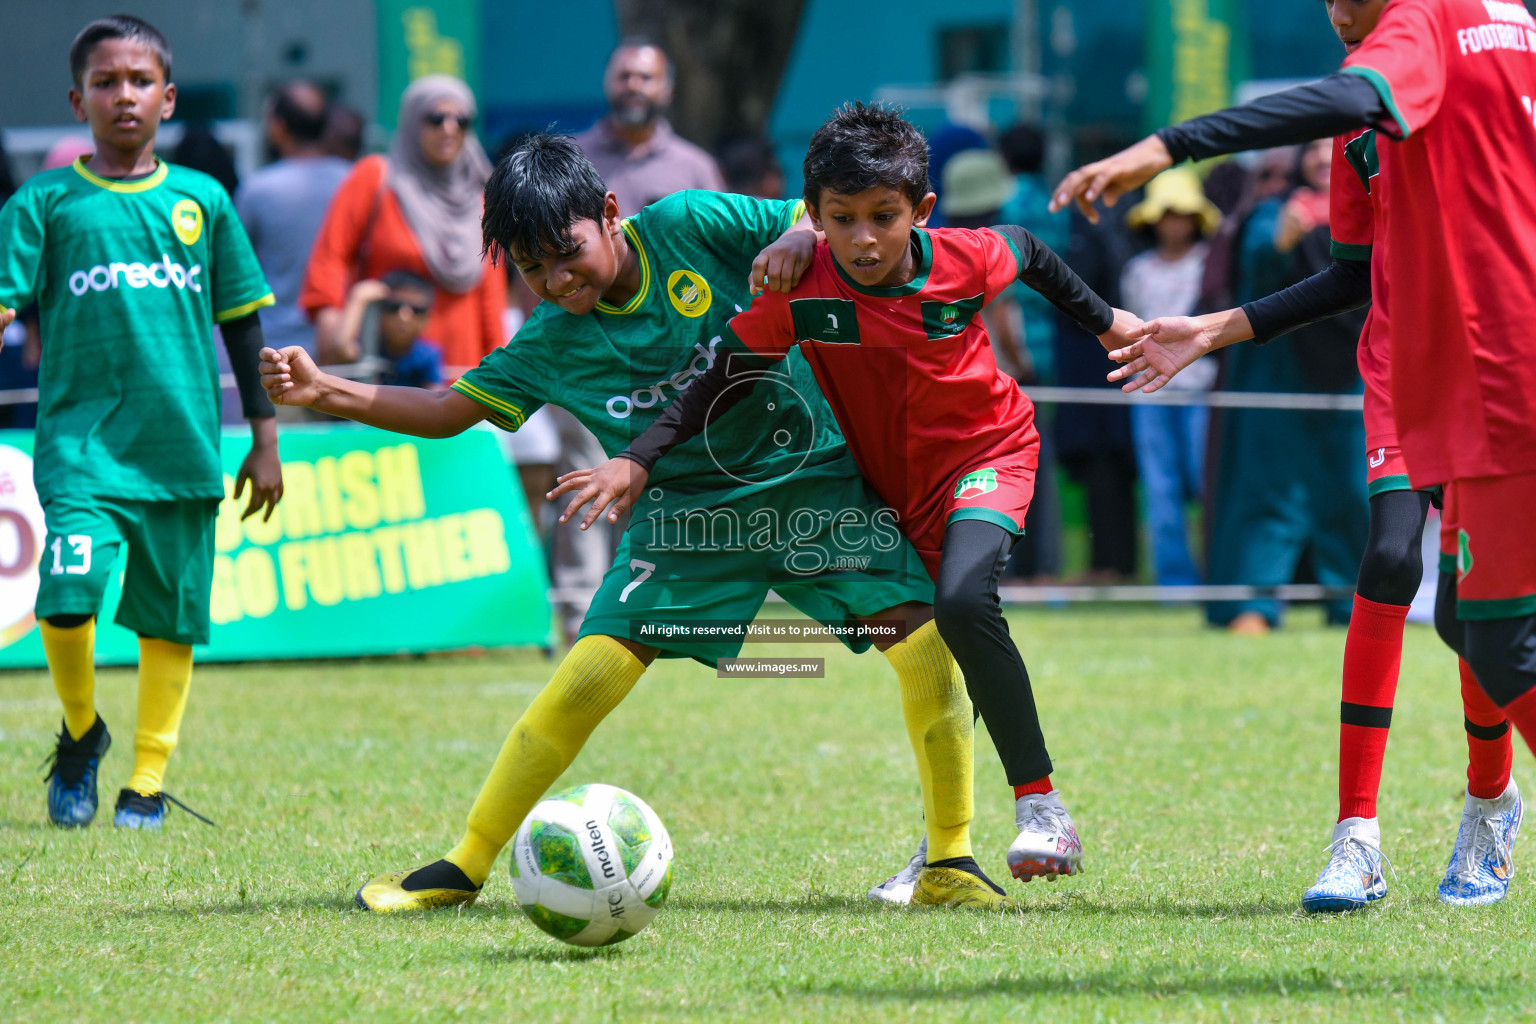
<point>1317,110</point>
<point>613,485</point>
<point>780,266</point>
<point>1047,273</point>
<point>261,469</point>
<point>1167,345</point>
<point>292,378</point>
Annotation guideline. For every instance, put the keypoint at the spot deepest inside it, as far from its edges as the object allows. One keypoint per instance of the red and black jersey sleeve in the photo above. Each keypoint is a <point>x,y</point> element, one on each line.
<point>1405,60</point>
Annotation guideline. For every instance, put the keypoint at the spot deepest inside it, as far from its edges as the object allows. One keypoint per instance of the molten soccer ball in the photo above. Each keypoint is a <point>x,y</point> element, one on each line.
<point>592,865</point>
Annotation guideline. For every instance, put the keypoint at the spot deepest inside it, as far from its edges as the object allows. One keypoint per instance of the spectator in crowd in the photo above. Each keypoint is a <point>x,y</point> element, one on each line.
<point>201,150</point>
<point>977,186</point>
<point>417,209</point>
<point>752,168</point>
<point>283,204</point>
<point>1093,442</point>
<point>1166,280</point>
<point>1308,499</point>
<point>343,136</point>
<point>400,302</point>
<point>943,143</point>
<point>634,147</point>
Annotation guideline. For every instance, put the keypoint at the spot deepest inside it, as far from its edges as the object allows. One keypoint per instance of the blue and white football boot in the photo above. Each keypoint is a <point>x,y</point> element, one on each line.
<point>72,772</point>
<point>1352,878</point>
<point>898,888</point>
<point>147,813</point>
<point>1483,861</point>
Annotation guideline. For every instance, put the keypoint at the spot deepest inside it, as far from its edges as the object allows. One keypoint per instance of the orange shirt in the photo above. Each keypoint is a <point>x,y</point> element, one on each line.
<point>467,325</point>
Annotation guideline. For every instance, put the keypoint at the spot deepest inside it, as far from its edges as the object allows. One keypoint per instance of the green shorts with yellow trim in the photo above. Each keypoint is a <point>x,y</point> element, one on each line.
<point>169,572</point>
<point>824,542</point>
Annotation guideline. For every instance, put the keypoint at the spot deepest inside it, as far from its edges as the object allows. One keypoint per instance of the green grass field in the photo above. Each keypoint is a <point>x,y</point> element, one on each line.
<point>1199,769</point>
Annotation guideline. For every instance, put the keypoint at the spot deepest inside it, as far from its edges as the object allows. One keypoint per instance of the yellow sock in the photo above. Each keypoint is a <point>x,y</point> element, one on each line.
<point>165,674</point>
<point>594,677</point>
<point>71,657</point>
<point>939,723</point>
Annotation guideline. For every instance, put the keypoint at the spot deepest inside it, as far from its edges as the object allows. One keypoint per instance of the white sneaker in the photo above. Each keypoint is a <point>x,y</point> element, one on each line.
<point>1483,861</point>
<point>898,888</point>
<point>1047,845</point>
<point>1352,877</point>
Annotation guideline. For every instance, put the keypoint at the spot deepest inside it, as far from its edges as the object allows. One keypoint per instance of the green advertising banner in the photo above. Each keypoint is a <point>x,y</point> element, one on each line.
<point>425,37</point>
<point>382,545</point>
<point>1196,51</point>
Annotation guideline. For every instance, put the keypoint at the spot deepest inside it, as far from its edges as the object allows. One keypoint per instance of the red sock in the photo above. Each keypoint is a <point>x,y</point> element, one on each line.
<point>1490,754</point>
<point>1373,653</point>
<point>1040,787</point>
<point>1521,713</point>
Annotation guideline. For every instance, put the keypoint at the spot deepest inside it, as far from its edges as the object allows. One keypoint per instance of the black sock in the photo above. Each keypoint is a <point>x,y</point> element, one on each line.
<point>967,864</point>
<point>440,874</point>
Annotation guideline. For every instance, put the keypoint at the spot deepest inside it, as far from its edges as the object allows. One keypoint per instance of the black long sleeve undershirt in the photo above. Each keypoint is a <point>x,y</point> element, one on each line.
<point>707,399</point>
<point>1342,286</point>
<point>1292,117</point>
<point>243,339</point>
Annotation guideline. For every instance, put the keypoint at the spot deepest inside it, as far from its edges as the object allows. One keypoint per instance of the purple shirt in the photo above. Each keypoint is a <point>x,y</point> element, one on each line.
<point>663,164</point>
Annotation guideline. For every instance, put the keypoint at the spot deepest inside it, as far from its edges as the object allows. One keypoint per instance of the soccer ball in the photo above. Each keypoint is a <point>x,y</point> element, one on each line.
<point>592,865</point>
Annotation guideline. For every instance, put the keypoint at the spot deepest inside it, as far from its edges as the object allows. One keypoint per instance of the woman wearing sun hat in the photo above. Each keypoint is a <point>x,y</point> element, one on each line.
<point>1170,439</point>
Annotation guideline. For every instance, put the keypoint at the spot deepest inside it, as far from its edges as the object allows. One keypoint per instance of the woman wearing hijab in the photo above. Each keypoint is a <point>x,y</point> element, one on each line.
<point>418,209</point>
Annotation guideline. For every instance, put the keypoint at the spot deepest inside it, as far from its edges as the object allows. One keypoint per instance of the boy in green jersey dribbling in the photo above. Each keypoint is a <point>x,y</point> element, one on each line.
<point>130,261</point>
<point>632,315</point>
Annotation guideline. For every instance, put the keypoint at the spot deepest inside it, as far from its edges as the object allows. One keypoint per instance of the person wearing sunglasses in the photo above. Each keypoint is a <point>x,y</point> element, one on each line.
<point>393,343</point>
<point>416,209</point>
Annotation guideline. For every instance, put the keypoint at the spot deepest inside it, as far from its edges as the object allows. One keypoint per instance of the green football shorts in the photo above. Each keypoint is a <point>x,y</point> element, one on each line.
<point>169,574</point>
<point>822,539</point>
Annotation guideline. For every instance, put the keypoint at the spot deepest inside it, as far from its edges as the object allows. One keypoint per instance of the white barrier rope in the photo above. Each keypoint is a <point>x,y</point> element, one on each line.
<point>1215,399</point>
<point>1051,594</point>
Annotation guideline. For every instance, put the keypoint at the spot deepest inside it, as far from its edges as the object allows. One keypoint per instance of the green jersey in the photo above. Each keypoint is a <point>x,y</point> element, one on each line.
<point>617,369</point>
<point>129,277</point>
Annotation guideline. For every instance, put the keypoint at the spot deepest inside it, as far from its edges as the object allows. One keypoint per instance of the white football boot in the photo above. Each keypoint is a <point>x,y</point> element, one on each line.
<point>1047,846</point>
<point>1483,861</point>
<point>898,888</point>
<point>1352,877</point>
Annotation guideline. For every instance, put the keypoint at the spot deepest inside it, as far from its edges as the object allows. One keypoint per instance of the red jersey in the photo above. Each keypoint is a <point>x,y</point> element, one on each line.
<point>909,370</point>
<point>1355,195</point>
<point>1459,78</point>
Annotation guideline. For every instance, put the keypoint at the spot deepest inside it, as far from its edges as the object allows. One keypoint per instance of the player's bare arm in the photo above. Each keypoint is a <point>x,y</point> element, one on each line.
<point>292,378</point>
<point>610,484</point>
<point>779,266</point>
<point>7,316</point>
<point>262,470</point>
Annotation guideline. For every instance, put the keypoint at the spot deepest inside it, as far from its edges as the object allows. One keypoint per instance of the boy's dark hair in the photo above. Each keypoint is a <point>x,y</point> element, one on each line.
<point>535,194</point>
<point>295,109</point>
<point>862,147</point>
<point>401,280</point>
<point>117,26</point>
<point>1023,146</point>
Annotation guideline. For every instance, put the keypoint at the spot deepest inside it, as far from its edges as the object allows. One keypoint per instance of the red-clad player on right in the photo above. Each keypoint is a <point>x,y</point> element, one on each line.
<point>1449,86</point>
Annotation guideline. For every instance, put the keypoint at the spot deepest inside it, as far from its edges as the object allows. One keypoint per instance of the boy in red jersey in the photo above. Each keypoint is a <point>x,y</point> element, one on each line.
<point>1452,82</point>
<point>887,317</point>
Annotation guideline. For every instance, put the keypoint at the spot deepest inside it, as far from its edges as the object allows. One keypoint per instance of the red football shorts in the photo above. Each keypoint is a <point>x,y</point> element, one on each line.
<point>1487,540</point>
<point>997,491</point>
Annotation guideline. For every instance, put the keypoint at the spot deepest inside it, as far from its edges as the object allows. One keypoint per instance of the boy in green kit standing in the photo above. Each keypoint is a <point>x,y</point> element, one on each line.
<point>130,261</point>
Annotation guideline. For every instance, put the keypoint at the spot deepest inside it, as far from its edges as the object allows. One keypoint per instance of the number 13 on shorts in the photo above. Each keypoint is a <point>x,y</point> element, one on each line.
<point>76,560</point>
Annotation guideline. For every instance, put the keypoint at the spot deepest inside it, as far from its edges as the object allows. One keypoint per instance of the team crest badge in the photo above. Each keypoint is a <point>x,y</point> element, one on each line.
<point>949,314</point>
<point>187,221</point>
<point>974,485</point>
<point>689,293</point>
<point>1463,555</point>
